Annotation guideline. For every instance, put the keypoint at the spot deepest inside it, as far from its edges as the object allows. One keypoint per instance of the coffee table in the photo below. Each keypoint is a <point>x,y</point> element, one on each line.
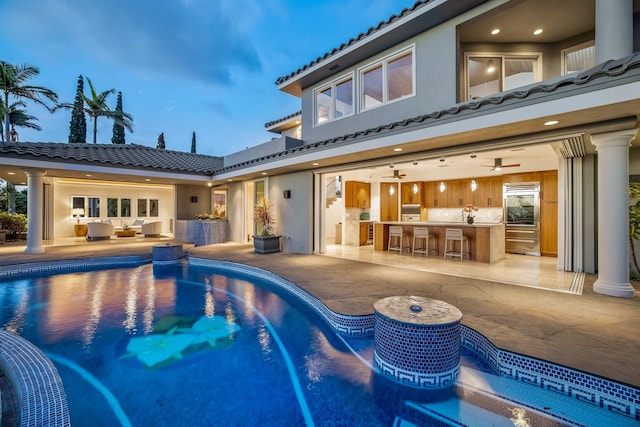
<point>126,233</point>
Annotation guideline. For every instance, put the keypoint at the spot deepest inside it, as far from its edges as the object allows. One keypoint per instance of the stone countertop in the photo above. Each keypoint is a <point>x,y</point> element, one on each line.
<point>442,223</point>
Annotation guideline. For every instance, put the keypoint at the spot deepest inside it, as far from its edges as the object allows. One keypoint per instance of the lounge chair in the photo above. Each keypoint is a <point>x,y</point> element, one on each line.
<point>99,231</point>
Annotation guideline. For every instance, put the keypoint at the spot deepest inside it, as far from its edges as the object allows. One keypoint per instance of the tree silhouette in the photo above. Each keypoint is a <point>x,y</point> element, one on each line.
<point>12,82</point>
<point>193,142</point>
<point>78,125</point>
<point>118,128</point>
<point>161,144</point>
<point>96,106</point>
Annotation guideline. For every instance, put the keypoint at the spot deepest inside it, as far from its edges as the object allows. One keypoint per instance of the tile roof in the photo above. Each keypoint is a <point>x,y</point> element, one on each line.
<point>609,69</point>
<point>128,155</point>
<point>282,119</point>
<point>381,25</point>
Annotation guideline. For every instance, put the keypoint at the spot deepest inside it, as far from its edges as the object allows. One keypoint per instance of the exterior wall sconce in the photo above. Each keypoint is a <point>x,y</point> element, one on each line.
<point>442,187</point>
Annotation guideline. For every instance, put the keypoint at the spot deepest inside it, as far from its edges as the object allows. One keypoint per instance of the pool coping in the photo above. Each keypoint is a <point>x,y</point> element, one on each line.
<point>618,398</point>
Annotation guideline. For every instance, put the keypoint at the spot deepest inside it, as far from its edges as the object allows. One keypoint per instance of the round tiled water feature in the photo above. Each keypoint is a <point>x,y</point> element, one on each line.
<point>417,340</point>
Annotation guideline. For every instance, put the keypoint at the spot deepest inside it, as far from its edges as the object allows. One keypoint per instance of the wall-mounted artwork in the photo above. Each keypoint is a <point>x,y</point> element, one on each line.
<point>220,204</point>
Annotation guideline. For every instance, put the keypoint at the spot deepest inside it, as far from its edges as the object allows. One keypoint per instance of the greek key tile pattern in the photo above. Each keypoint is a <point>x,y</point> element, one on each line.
<point>67,266</point>
<point>612,396</point>
<point>420,355</point>
<point>41,395</point>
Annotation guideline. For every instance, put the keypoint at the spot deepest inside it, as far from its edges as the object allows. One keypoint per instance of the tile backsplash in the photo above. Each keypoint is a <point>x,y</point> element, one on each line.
<point>486,215</point>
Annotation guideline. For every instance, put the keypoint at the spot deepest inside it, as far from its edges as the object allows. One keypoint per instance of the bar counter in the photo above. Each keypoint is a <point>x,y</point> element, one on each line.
<point>486,240</point>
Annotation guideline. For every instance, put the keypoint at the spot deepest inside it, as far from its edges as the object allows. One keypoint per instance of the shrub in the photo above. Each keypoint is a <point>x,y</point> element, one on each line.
<point>13,223</point>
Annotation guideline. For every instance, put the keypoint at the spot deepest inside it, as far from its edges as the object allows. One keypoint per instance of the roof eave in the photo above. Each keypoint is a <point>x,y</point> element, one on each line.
<point>398,28</point>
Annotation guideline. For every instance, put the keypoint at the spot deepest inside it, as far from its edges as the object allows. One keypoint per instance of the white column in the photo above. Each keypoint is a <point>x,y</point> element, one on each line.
<point>613,213</point>
<point>614,29</point>
<point>35,181</point>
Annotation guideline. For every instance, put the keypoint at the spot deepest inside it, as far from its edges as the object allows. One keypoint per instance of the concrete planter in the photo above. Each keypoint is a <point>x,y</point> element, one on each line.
<point>266,244</point>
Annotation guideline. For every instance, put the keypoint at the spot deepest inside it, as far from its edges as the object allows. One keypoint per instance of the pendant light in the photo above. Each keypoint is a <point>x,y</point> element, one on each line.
<point>474,185</point>
<point>442,187</point>
<point>415,188</point>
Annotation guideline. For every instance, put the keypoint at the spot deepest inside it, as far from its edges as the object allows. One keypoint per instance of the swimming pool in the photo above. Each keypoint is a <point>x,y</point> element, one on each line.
<point>188,345</point>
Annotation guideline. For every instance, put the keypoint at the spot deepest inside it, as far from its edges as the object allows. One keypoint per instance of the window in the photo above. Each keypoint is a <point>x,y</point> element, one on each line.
<point>142,207</point>
<point>388,80</point>
<point>85,207</point>
<point>578,58</point>
<point>112,208</point>
<point>153,207</point>
<point>489,74</point>
<point>334,101</point>
<point>125,208</point>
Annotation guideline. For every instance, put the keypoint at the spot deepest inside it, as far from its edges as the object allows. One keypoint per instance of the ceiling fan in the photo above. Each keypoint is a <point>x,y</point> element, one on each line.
<point>396,175</point>
<point>497,165</point>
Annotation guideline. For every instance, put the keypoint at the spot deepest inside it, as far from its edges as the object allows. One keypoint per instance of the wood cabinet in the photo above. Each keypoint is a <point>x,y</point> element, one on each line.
<point>549,213</point>
<point>365,227</point>
<point>455,194</point>
<point>357,194</point>
<point>489,192</point>
<point>412,193</point>
<point>388,201</point>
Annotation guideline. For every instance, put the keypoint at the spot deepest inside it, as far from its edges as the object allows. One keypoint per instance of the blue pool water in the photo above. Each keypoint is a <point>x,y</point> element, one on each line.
<point>188,346</point>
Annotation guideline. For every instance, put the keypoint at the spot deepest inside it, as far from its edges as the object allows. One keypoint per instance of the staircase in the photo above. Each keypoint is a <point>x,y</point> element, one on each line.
<point>332,193</point>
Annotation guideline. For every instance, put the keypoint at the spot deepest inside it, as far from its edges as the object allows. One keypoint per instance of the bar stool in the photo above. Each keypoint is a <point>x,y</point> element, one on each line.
<point>454,235</point>
<point>395,239</point>
<point>432,247</point>
<point>422,236</point>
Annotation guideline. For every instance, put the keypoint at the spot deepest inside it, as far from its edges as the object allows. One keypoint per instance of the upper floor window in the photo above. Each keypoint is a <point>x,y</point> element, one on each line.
<point>578,58</point>
<point>334,100</point>
<point>388,80</point>
<point>489,74</point>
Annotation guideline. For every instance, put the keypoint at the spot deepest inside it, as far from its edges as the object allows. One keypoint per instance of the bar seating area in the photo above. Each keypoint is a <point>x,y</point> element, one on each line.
<point>453,235</point>
<point>480,242</point>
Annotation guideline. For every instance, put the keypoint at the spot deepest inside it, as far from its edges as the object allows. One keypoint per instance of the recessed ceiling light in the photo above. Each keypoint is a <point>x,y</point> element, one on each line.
<point>229,180</point>
<point>88,174</point>
<point>538,31</point>
<point>315,163</point>
<point>11,173</point>
<point>147,179</point>
<point>264,173</point>
<point>209,184</point>
<point>495,31</point>
<point>551,123</point>
<point>397,149</point>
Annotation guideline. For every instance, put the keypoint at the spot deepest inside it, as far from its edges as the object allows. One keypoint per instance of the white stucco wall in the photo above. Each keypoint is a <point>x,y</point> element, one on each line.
<point>294,216</point>
<point>63,192</point>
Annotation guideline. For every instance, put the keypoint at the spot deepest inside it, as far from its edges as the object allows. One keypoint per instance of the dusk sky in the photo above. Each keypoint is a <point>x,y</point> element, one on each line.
<point>207,66</point>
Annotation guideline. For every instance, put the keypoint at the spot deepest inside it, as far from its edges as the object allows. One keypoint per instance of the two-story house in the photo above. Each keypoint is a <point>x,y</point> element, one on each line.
<point>459,93</point>
<point>444,97</point>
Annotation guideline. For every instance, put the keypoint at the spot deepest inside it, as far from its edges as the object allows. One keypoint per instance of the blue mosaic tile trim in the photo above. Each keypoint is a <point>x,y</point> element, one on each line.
<point>417,379</point>
<point>418,354</point>
<point>343,324</point>
<point>170,262</point>
<point>68,266</point>
<point>41,395</point>
<point>615,397</point>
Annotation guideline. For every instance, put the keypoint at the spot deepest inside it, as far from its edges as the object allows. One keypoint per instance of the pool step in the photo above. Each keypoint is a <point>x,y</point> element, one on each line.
<point>455,413</point>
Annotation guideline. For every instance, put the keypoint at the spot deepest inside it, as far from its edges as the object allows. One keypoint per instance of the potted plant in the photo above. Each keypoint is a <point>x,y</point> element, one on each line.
<point>265,241</point>
<point>470,210</point>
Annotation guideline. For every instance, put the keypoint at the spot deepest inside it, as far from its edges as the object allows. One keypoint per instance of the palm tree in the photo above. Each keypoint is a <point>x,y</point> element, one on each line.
<point>18,117</point>
<point>96,106</point>
<point>12,82</point>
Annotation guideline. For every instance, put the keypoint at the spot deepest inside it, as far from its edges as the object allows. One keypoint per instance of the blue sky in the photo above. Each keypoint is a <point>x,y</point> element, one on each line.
<point>207,66</point>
